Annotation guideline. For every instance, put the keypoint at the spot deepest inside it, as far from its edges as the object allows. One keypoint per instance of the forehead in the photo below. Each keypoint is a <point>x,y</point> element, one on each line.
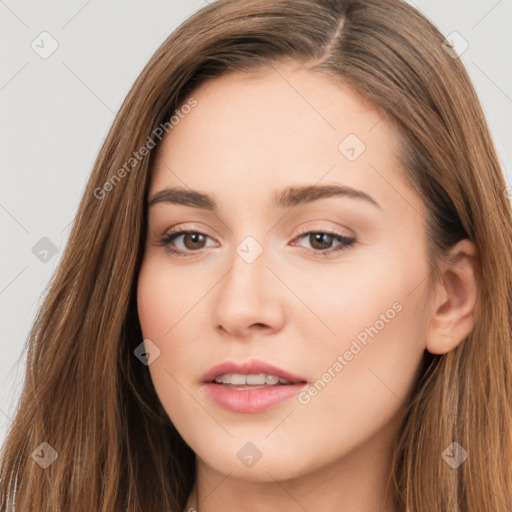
<point>286,108</point>
<point>252,134</point>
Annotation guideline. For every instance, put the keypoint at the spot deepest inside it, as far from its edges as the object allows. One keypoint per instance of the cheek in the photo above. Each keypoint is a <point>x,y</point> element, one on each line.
<point>157,303</point>
<point>149,300</point>
<point>363,379</point>
<point>352,299</point>
<point>374,336</point>
<point>163,297</point>
<point>165,300</point>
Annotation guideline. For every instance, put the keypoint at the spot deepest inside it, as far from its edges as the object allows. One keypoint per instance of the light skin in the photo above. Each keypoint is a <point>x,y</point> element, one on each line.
<point>247,138</point>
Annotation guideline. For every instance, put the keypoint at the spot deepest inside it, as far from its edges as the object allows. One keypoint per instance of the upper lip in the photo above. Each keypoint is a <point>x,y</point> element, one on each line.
<point>249,368</point>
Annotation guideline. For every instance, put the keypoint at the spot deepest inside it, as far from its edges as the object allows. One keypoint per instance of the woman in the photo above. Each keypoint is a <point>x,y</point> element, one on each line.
<point>193,353</point>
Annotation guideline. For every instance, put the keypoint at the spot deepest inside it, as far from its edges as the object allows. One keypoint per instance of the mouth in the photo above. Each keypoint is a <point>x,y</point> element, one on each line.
<point>250,387</point>
<point>250,373</point>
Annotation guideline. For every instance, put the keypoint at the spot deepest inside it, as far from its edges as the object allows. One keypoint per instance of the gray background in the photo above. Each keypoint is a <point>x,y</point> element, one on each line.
<point>56,113</point>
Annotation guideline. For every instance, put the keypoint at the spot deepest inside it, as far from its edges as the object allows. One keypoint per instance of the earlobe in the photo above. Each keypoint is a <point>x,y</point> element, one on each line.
<point>454,303</point>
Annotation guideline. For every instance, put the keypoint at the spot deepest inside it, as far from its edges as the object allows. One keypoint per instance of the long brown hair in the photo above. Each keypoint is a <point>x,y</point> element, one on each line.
<point>91,399</point>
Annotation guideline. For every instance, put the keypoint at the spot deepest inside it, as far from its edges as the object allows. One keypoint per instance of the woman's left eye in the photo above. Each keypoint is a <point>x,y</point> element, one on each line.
<point>323,238</point>
<point>195,240</point>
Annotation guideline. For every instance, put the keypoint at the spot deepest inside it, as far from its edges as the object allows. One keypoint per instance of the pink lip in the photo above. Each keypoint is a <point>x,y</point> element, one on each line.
<point>250,400</point>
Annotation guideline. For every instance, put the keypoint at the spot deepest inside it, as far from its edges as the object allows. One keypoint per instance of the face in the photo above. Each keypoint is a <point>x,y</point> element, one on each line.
<point>325,289</point>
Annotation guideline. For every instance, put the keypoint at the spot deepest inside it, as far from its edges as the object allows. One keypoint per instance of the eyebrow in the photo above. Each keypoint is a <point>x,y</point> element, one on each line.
<point>286,198</point>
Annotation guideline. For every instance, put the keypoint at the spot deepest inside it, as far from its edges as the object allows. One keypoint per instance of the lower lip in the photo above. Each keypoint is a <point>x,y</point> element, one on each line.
<point>250,400</point>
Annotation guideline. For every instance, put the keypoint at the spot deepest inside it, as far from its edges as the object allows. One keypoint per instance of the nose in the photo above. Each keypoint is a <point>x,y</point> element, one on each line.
<point>250,298</point>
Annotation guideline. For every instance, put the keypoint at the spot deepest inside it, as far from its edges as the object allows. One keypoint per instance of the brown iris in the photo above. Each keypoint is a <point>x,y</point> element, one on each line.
<point>320,239</point>
<point>195,238</point>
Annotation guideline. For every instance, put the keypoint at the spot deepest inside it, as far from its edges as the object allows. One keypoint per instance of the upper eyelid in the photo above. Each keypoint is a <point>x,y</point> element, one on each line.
<point>192,228</point>
<point>181,230</point>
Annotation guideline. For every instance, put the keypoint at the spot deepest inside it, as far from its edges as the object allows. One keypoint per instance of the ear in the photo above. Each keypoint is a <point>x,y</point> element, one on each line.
<point>454,303</point>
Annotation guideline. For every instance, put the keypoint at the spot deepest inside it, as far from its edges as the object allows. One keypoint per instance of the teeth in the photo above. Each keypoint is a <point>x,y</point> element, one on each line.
<point>237,379</point>
<point>258,379</point>
<point>253,379</point>
<point>271,380</point>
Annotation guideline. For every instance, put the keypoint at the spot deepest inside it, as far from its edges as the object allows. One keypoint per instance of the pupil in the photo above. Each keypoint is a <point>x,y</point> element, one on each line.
<point>195,237</point>
<point>318,237</point>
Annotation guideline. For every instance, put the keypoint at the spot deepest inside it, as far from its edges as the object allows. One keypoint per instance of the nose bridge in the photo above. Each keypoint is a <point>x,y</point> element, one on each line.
<point>249,273</point>
<point>249,294</point>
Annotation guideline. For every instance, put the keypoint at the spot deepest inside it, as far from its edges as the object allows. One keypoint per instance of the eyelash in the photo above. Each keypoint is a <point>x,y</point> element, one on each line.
<point>345,243</point>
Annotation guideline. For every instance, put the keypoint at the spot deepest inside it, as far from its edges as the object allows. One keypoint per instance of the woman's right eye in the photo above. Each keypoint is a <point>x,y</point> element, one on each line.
<point>195,237</point>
